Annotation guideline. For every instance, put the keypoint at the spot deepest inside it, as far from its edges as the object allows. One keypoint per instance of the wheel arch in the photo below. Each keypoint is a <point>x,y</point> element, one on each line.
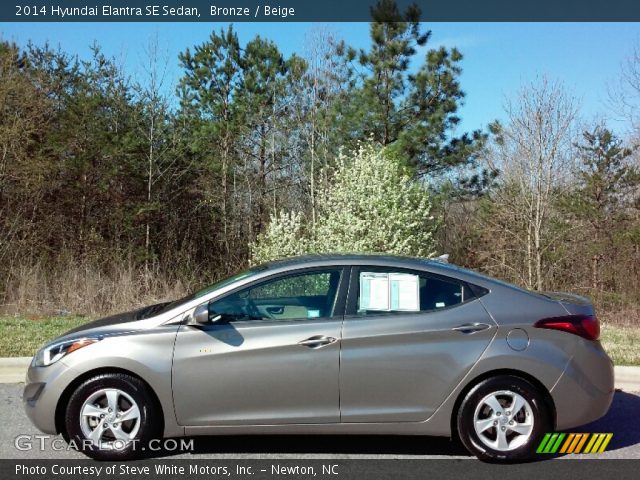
<point>63,401</point>
<point>548,399</point>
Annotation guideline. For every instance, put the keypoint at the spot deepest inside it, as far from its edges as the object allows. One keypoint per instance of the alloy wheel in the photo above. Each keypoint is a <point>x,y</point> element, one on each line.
<point>110,418</point>
<point>503,420</point>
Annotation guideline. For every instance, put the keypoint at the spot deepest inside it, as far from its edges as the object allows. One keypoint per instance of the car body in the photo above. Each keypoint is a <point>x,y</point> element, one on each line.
<point>336,344</point>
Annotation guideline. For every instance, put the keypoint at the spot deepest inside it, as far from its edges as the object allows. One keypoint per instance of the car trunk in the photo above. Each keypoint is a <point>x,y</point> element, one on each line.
<point>573,304</point>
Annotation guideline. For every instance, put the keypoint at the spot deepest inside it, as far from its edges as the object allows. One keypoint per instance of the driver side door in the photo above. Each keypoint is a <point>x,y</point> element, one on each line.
<point>271,357</point>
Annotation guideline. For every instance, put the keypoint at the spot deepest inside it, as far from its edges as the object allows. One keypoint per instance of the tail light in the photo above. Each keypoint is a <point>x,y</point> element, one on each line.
<point>586,326</point>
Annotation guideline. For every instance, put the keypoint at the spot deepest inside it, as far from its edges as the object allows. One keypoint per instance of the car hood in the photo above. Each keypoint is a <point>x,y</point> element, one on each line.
<point>131,318</point>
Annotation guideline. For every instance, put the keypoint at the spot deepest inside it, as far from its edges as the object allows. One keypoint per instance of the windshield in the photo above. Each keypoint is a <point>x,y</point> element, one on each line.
<point>222,283</point>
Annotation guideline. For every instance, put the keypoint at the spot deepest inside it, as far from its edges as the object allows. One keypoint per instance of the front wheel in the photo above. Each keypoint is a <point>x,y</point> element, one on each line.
<point>112,417</point>
<point>503,419</point>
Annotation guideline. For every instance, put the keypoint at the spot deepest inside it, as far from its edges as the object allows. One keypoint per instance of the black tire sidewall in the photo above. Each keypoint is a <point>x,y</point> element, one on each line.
<point>465,418</point>
<point>131,386</point>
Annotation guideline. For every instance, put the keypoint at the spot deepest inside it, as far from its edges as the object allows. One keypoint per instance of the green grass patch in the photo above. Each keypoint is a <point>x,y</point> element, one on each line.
<point>622,344</point>
<point>22,337</point>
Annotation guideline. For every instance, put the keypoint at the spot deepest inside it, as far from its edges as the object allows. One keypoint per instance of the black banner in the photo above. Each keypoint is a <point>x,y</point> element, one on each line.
<point>314,468</point>
<point>311,11</point>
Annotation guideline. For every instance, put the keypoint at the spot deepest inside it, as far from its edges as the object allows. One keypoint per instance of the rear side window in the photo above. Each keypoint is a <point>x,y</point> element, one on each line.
<point>386,291</point>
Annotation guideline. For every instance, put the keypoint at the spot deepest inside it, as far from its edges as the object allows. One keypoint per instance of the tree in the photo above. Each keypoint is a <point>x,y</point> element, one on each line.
<point>264,102</point>
<point>236,101</point>
<point>624,94</point>
<point>414,112</point>
<point>373,204</point>
<point>155,128</point>
<point>533,152</point>
<point>324,86</point>
<point>605,193</point>
<point>284,236</point>
<point>212,76</point>
<point>25,120</point>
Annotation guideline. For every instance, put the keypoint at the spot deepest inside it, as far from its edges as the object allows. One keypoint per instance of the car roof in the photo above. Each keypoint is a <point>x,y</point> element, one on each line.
<point>385,260</point>
<point>342,258</point>
<point>363,259</point>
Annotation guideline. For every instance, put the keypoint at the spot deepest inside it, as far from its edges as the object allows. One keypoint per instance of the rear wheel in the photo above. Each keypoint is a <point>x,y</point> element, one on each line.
<point>112,417</point>
<point>503,419</point>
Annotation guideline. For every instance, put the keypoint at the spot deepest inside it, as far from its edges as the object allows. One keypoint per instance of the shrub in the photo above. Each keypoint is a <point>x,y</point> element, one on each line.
<point>373,204</point>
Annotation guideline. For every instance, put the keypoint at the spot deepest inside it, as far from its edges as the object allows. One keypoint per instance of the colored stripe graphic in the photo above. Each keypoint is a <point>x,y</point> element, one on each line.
<point>550,443</point>
<point>581,443</point>
<point>578,440</point>
<point>592,440</point>
<point>543,443</point>
<point>558,442</point>
<point>567,443</point>
<point>574,443</point>
<point>606,441</point>
<point>596,446</point>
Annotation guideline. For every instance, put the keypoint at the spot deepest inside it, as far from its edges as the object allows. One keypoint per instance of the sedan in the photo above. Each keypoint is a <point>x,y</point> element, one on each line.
<point>340,344</point>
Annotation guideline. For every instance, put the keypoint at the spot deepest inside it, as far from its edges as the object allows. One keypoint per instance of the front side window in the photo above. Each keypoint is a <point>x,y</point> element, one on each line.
<point>385,291</point>
<point>300,296</point>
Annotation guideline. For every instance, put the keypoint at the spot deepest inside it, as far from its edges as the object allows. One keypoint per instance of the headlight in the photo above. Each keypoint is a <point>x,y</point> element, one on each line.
<point>51,354</point>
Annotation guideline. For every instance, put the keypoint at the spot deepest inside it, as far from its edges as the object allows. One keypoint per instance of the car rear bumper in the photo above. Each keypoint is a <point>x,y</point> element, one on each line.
<point>584,391</point>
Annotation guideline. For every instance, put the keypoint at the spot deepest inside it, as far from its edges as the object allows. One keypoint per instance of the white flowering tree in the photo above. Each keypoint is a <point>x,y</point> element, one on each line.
<point>373,205</point>
<point>283,237</point>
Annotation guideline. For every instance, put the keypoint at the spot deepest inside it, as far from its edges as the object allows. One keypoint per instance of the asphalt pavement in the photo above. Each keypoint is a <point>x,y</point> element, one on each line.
<point>623,420</point>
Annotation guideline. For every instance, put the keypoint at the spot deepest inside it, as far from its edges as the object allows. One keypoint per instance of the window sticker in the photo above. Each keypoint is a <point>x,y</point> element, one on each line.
<point>389,292</point>
<point>374,291</point>
<point>313,313</point>
<point>405,292</point>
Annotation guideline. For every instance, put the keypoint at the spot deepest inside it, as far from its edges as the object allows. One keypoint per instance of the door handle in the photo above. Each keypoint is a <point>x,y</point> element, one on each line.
<point>317,342</point>
<point>468,328</point>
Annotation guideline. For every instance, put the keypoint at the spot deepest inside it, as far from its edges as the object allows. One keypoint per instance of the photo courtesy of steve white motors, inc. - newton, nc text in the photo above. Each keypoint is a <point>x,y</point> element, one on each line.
<point>338,239</point>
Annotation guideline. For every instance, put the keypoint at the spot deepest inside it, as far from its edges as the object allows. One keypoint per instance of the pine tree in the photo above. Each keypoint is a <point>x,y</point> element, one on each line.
<point>416,113</point>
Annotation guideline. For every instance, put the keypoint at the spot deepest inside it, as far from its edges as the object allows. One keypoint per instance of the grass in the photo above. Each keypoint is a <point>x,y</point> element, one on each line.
<point>622,344</point>
<point>21,337</point>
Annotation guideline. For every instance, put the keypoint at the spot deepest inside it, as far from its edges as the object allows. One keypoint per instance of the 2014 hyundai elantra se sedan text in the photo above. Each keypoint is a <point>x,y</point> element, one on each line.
<point>350,344</point>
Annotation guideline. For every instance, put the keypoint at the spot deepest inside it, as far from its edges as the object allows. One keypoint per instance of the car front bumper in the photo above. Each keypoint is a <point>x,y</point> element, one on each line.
<point>42,390</point>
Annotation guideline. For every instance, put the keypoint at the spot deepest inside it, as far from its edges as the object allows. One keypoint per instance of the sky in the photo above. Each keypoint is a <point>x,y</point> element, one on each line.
<point>498,57</point>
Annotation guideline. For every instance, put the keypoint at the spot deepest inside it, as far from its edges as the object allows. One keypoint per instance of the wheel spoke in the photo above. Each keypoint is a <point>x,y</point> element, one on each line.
<point>120,434</point>
<point>494,404</point>
<point>130,414</point>
<point>517,404</point>
<point>501,441</point>
<point>112,399</point>
<point>482,425</point>
<point>96,434</point>
<point>92,411</point>
<point>521,428</point>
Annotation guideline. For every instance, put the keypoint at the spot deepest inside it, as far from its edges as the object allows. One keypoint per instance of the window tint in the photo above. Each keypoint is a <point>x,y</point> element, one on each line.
<point>293,297</point>
<point>384,291</point>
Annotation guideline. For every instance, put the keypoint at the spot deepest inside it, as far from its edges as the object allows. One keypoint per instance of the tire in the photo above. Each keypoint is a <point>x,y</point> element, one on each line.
<point>504,435</point>
<point>120,417</point>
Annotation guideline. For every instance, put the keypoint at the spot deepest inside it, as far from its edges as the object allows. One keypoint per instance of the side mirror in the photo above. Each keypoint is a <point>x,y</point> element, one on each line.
<point>201,315</point>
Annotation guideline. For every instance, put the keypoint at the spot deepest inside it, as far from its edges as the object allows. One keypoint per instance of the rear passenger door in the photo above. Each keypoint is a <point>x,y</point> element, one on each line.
<point>408,339</point>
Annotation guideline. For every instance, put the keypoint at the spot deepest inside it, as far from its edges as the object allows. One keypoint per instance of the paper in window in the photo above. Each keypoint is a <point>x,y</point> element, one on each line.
<point>374,291</point>
<point>405,292</point>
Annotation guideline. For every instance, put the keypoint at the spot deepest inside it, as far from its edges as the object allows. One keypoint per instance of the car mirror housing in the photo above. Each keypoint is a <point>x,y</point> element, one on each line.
<point>201,314</point>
